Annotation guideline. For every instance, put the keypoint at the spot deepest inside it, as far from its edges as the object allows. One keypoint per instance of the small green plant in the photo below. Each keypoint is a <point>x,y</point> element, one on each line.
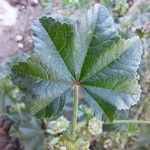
<point>79,62</point>
<point>46,2</point>
<point>76,3</point>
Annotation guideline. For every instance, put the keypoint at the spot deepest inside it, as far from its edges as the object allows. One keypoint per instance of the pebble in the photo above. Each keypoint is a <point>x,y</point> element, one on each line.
<point>28,43</point>
<point>34,2</point>
<point>22,7</point>
<point>18,38</point>
<point>20,45</point>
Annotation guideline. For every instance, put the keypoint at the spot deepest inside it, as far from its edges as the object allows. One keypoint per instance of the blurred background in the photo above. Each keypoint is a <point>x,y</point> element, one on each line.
<point>132,17</point>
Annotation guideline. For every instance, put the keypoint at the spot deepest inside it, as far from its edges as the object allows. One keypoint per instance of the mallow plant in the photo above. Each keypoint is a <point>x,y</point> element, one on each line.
<point>79,63</point>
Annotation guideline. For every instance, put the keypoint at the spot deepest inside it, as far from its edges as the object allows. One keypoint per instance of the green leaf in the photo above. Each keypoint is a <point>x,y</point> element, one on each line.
<point>31,134</point>
<point>89,53</point>
<point>5,66</point>
<point>41,108</point>
<point>8,94</point>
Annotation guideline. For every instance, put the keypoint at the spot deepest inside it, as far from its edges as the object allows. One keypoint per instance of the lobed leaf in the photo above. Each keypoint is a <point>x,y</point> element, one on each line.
<point>89,53</point>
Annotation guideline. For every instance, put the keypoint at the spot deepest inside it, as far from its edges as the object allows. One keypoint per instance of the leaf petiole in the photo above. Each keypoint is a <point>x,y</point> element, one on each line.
<point>75,111</point>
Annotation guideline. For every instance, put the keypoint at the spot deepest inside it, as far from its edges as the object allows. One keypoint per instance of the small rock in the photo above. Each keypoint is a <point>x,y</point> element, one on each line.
<point>29,39</point>
<point>22,7</point>
<point>34,2</point>
<point>19,38</point>
<point>28,42</point>
<point>20,45</point>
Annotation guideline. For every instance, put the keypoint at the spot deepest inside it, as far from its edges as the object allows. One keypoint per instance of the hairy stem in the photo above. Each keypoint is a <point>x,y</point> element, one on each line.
<point>75,111</point>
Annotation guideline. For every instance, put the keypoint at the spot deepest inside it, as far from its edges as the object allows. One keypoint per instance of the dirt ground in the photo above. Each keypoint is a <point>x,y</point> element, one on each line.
<point>15,21</point>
